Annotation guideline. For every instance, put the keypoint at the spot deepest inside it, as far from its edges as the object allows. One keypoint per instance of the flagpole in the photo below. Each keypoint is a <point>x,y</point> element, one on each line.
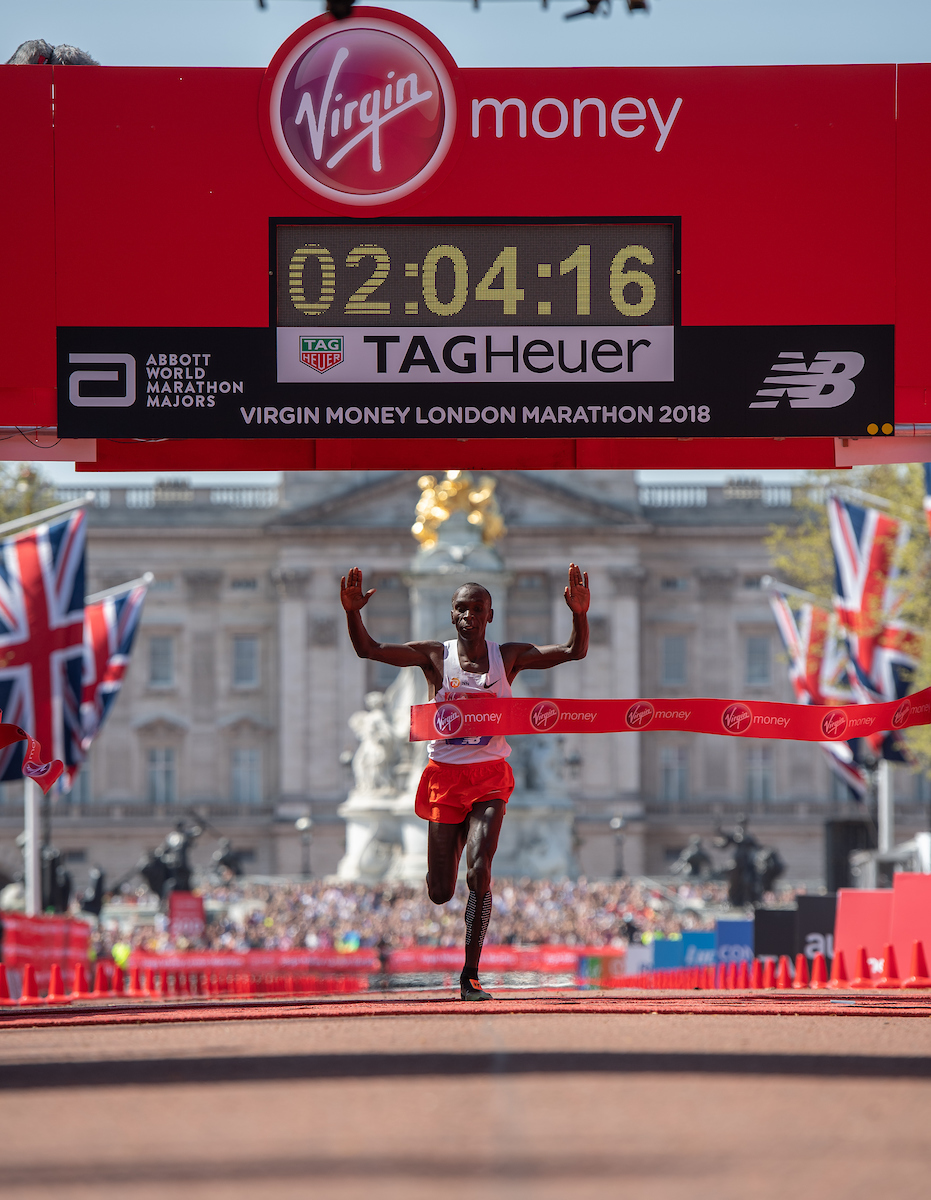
<point>32,850</point>
<point>37,518</point>
<point>146,579</point>
<point>885,816</point>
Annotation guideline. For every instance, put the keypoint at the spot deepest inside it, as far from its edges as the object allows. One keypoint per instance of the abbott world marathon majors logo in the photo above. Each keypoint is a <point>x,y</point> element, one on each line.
<point>360,111</point>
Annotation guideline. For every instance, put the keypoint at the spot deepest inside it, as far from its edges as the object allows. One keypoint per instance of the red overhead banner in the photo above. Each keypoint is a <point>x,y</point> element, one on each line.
<point>464,723</point>
<point>229,249</point>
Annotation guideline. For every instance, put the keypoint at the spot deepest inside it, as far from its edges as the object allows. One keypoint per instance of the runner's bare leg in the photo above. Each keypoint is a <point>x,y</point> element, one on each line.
<point>445,844</point>
<point>484,827</point>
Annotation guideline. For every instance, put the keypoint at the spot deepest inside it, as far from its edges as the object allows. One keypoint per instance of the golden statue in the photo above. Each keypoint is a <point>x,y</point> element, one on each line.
<point>457,493</point>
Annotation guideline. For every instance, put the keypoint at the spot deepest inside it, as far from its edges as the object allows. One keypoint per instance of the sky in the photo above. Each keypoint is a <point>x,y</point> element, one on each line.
<point>493,33</point>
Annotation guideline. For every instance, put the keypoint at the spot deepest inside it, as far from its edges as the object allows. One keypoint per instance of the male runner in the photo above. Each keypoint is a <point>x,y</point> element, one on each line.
<point>467,782</point>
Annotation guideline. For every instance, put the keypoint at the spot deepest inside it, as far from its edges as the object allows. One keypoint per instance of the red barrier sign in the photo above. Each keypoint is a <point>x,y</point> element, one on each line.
<point>552,960</point>
<point>257,961</point>
<point>462,723</point>
<point>42,941</point>
<point>186,916</point>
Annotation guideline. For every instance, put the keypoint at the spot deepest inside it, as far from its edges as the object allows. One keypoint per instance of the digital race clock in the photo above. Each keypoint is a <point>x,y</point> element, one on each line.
<point>547,302</point>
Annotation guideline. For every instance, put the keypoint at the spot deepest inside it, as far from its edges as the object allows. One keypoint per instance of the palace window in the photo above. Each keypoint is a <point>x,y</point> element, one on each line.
<point>674,659</point>
<point>674,772</point>
<point>161,661</point>
<point>245,662</point>
<point>759,661</point>
<point>246,775</point>
<point>759,773</point>
<point>163,784</point>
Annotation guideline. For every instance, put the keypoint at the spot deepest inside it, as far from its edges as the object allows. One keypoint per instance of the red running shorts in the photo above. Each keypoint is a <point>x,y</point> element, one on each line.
<point>447,791</point>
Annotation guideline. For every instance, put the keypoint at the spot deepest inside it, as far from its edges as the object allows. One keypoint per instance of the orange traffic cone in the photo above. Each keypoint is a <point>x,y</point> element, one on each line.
<point>769,973</point>
<point>56,986</point>
<point>838,972</point>
<point>801,972</point>
<point>819,972</point>
<point>756,974</point>
<point>918,978</point>
<point>149,989</point>
<point>743,976</point>
<point>4,987</point>
<point>783,975</point>
<point>730,976</point>
<point>79,991</point>
<point>101,987</point>
<point>135,984</point>
<point>863,977</point>
<point>118,982</point>
<point>30,991</point>
<point>890,976</point>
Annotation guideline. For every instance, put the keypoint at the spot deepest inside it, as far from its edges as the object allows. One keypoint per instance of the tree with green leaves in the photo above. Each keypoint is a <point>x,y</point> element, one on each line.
<point>23,490</point>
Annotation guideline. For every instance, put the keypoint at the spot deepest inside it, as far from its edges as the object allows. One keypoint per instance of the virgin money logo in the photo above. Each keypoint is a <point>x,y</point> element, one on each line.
<point>543,716</point>
<point>737,718</point>
<point>447,720</point>
<point>640,715</point>
<point>834,723</point>
<point>900,716</point>
<point>361,111</point>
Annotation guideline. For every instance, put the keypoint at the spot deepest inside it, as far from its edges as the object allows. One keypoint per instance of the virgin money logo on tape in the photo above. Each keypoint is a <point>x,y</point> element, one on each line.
<point>834,723</point>
<point>640,715</point>
<point>736,718</point>
<point>543,716</point>
<point>360,111</point>
<point>447,720</point>
<point>900,716</point>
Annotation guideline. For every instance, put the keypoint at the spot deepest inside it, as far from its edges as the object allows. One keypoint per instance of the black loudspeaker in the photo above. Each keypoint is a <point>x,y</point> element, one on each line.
<point>841,838</point>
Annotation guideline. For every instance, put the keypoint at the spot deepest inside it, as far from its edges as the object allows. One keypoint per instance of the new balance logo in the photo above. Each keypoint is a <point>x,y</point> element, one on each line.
<point>827,383</point>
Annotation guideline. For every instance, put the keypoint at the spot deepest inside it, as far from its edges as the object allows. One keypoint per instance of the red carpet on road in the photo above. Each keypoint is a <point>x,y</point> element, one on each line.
<point>880,1004</point>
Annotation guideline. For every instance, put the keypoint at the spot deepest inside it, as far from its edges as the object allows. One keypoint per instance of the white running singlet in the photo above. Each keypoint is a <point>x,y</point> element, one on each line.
<point>459,684</point>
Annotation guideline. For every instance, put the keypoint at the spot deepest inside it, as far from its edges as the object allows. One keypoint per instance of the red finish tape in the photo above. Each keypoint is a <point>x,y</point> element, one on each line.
<point>729,718</point>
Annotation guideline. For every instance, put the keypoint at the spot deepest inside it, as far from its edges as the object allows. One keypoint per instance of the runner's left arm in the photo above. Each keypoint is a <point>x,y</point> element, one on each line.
<point>524,656</point>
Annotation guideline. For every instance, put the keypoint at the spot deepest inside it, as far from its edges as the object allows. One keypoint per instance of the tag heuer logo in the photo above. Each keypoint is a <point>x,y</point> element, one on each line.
<point>321,353</point>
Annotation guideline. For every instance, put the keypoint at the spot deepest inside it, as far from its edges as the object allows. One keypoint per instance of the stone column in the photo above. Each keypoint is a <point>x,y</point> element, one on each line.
<point>291,586</point>
<point>198,777</point>
<point>628,585</point>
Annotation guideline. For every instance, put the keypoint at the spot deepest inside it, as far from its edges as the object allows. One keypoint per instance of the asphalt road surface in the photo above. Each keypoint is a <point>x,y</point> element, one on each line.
<point>471,1105</point>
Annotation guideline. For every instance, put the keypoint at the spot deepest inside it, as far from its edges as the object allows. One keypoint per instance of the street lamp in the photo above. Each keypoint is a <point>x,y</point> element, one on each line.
<point>617,824</point>
<point>304,825</point>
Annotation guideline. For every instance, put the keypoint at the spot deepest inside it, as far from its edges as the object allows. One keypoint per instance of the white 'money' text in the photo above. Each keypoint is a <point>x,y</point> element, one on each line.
<point>549,117</point>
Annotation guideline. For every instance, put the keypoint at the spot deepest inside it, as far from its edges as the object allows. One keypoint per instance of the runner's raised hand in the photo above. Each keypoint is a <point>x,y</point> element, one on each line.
<point>351,594</point>
<point>577,593</point>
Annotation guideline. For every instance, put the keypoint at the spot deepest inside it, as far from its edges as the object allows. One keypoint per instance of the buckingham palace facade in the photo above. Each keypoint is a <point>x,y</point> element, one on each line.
<point>237,699</point>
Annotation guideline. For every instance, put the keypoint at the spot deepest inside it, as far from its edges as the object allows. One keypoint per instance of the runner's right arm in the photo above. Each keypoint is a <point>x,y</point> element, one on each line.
<point>426,655</point>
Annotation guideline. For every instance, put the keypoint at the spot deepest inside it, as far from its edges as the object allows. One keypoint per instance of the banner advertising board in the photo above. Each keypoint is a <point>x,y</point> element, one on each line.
<point>814,926</point>
<point>733,941</point>
<point>365,242</point>
<point>700,947</point>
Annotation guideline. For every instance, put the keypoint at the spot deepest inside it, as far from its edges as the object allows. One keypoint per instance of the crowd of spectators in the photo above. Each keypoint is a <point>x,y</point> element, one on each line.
<point>247,915</point>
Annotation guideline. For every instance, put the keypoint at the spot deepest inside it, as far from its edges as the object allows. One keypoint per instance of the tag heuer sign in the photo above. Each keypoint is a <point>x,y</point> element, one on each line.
<point>321,353</point>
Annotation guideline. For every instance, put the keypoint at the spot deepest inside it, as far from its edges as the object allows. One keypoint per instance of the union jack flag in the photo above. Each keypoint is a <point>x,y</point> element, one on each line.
<point>927,470</point>
<point>110,625</point>
<point>818,662</point>
<point>818,672</point>
<point>42,640</point>
<point>883,649</point>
